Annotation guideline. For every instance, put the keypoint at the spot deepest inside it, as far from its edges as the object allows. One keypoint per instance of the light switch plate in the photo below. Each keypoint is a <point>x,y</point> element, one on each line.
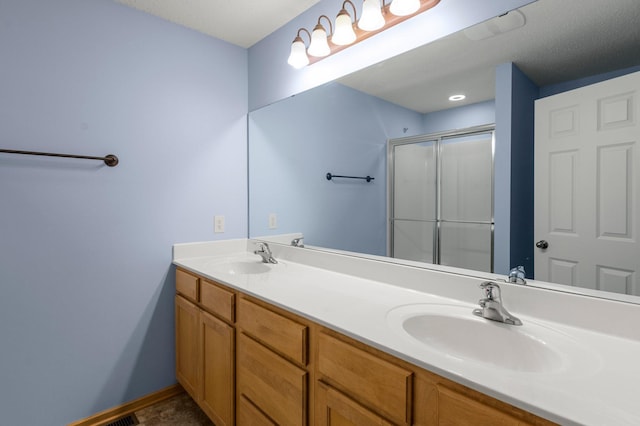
<point>273,221</point>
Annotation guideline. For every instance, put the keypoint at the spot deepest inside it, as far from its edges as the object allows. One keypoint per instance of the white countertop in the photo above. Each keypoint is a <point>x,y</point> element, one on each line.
<point>358,297</point>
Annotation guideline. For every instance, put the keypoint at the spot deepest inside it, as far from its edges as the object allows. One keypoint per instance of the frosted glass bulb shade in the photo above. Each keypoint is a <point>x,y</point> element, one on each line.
<point>372,18</point>
<point>344,33</point>
<point>319,46</point>
<point>404,7</point>
<point>298,57</point>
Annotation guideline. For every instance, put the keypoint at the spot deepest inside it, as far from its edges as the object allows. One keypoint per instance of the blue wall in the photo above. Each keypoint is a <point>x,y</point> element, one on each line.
<point>554,89</point>
<point>513,192</point>
<point>333,128</point>
<point>328,129</point>
<point>86,312</point>
<point>461,117</point>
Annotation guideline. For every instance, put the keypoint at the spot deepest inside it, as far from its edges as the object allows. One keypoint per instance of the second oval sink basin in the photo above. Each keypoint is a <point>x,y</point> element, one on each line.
<point>453,331</point>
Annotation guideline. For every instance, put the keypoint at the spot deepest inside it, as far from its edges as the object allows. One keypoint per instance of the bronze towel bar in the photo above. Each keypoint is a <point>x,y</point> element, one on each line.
<point>110,160</point>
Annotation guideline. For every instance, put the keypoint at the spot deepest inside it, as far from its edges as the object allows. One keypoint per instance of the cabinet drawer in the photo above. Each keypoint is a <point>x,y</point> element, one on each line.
<point>455,409</point>
<point>279,333</point>
<point>334,408</point>
<point>217,300</point>
<point>187,284</point>
<point>380,385</point>
<point>249,415</point>
<point>273,384</point>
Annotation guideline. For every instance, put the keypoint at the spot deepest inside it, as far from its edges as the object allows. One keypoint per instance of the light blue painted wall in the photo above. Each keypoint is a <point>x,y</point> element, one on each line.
<point>460,117</point>
<point>272,79</point>
<point>86,312</point>
<point>328,129</point>
<point>340,130</point>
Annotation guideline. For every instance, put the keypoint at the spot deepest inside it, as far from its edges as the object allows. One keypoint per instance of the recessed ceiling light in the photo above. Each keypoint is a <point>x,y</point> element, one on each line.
<point>455,98</point>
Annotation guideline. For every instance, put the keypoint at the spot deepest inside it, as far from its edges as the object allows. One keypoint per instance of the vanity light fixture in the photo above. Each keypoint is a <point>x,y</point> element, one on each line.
<point>298,57</point>
<point>372,18</point>
<point>456,98</point>
<point>319,46</point>
<point>375,18</point>
<point>344,33</point>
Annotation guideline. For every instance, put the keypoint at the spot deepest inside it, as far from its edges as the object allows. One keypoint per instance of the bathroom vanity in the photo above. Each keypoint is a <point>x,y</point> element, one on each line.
<point>324,338</point>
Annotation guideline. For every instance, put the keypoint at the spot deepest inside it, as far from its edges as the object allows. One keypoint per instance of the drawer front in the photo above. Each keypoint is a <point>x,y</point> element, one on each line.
<point>334,408</point>
<point>455,409</point>
<point>380,385</point>
<point>279,333</point>
<point>217,300</point>
<point>273,384</point>
<point>187,284</point>
<point>249,415</point>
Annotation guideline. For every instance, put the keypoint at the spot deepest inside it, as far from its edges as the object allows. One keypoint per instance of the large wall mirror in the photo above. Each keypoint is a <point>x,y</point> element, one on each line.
<point>345,126</point>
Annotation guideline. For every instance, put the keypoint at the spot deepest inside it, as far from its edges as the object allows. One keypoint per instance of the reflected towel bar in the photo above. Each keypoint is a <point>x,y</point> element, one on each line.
<point>110,160</point>
<point>367,178</point>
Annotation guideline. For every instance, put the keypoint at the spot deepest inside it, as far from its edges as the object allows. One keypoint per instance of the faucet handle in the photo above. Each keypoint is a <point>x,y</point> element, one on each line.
<point>491,290</point>
<point>517,275</point>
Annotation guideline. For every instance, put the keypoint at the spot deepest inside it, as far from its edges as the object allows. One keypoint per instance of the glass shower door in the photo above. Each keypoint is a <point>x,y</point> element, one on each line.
<point>466,201</point>
<point>441,198</point>
<point>413,206</point>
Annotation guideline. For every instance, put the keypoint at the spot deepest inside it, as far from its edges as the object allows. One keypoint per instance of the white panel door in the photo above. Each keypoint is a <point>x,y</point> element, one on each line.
<point>587,190</point>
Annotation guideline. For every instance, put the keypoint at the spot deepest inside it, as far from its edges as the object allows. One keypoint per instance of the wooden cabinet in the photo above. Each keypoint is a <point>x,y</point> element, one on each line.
<point>217,348</point>
<point>250,415</point>
<point>187,346</point>
<point>375,382</point>
<point>205,345</point>
<point>247,362</point>
<point>272,357</point>
<point>271,383</point>
<point>335,409</point>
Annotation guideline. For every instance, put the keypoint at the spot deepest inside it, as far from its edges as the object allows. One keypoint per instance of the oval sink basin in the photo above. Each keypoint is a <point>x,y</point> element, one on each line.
<point>453,331</point>
<point>248,266</point>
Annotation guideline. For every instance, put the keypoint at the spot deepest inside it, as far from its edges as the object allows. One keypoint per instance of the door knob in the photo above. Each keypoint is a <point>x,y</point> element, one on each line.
<point>542,244</point>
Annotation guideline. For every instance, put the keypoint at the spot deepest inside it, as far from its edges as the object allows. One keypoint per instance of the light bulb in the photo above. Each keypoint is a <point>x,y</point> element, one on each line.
<point>298,57</point>
<point>372,18</point>
<point>344,33</point>
<point>404,7</point>
<point>319,46</point>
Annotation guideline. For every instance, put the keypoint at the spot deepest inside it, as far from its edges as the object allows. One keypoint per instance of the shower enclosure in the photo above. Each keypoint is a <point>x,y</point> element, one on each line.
<point>441,198</point>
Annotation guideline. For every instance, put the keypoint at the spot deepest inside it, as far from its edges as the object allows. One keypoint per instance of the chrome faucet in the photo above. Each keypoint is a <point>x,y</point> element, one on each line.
<point>265,253</point>
<point>297,242</point>
<point>491,305</point>
<point>516,275</point>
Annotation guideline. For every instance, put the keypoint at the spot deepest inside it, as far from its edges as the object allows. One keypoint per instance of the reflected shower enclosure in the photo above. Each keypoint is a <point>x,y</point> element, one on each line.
<point>441,198</point>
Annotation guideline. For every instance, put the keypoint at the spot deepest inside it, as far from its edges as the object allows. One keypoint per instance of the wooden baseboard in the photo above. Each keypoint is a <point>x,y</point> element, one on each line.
<point>108,416</point>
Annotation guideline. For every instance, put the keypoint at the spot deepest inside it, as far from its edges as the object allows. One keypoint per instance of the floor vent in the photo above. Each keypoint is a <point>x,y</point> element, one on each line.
<point>128,420</point>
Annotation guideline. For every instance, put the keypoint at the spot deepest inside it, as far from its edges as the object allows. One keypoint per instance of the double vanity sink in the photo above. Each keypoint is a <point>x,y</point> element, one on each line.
<point>559,364</point>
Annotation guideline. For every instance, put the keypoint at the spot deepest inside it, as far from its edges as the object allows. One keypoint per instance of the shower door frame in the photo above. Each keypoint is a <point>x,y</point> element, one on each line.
<point>437,138</point>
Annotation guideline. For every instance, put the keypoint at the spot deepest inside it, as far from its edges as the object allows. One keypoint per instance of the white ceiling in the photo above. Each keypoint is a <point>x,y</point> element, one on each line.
<point>241,22</point>
<point>561,40</point>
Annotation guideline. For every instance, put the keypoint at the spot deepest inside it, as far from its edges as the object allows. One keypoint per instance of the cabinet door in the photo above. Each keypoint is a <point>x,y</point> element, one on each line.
<point>217,388</point>
<point>335,409</point>
<point>276,386</point>
<point>187,346</point>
